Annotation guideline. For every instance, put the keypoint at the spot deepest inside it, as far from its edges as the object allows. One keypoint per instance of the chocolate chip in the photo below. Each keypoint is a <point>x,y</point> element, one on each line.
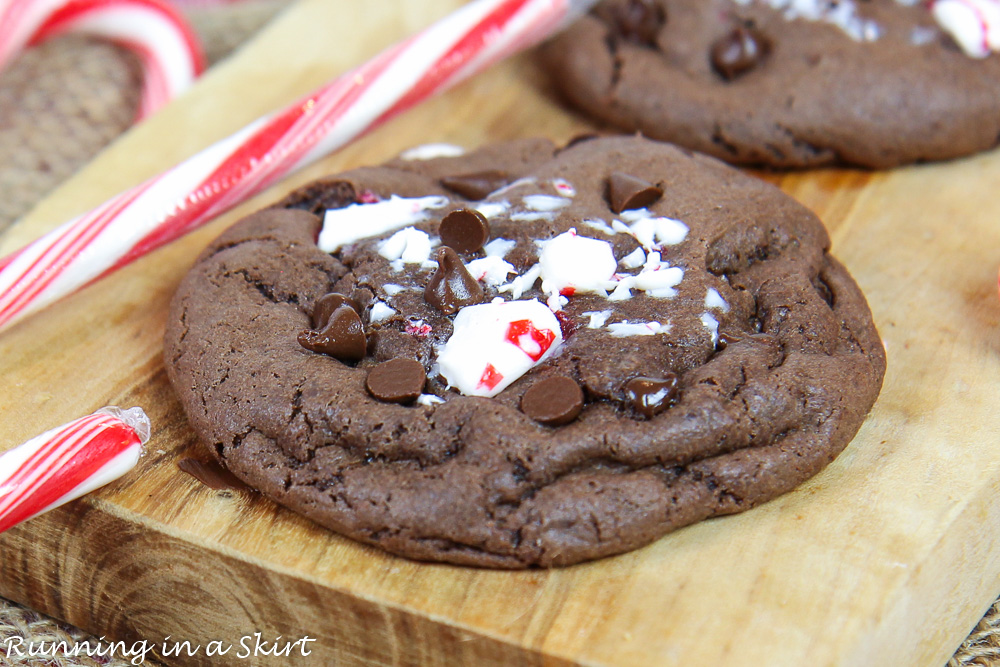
<point>326,305</point>
<point>464,230</point>
<point>627,192</point>
<point>397,381</point>
<point>452,286</point>
<point>476,186</point>
<point>739,52</point>
<point>637,21</point>
<point>651,396</point>
<point>342,338</point>
<point>553,401</point>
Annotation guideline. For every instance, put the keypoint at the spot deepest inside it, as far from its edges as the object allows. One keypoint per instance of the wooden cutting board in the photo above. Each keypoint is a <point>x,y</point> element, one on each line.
<point>888,557</point>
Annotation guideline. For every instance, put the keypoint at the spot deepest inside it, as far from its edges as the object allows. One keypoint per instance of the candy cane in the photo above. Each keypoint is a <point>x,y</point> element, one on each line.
<point>168,49</point>
<point>67,462</point>
<point>193,192</point>
<point>974,24</point>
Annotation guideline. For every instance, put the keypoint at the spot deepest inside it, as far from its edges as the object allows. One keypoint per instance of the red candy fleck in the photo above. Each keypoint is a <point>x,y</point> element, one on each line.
<point>567,291</point>
<point>542,338</point>
<point>368,197</point>
<point>491,378</point>
<point>418,328</point>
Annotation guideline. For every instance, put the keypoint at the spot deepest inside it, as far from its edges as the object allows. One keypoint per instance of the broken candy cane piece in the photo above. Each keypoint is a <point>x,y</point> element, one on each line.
<point>69,461</point>
<point>494,344</point>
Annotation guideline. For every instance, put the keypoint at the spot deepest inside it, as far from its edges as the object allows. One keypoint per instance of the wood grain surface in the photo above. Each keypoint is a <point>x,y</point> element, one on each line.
<point>889,557</point>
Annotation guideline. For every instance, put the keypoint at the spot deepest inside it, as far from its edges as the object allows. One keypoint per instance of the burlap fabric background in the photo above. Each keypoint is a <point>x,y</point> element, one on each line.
<point>63,101</point>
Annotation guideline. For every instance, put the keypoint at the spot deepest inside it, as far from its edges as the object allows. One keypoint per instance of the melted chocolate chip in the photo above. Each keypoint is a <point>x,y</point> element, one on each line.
<point>628,192</point>
<point>397,380</point>
<point>739,52</point>
<point>637,21</point>
<point>452,286</point>
<point>326,305</point>
<point>476,186</point>
<point>651,396</point>
<point>553,401</point>
<point>464,230</point>
<point>342,338</point>
<point>212,475</point>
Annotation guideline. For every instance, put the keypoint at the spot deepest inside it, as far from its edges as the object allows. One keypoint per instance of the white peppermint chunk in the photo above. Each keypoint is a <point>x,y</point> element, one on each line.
<point>974,24</point>
<point>380,311</point>
<point>626,328</point>
<point>532,216</point>
<point>658,232</point>
<point>598,318</point>
<point>714,300</point>
<point>564,187</point>
<point>392,290</point>
<point>360,221</point>
<point>545,202</point>
<point>523,282</point>
<point>712,325</point>
<point>491,270</point>
<point>599,225</point>
<point>499,247</point>
<point>634,259</point>
<point>429,400</point>
<point>576,264</point>
<point>491,209</point>
<point>410,245</point>
<point>493,344</point>
<point>431,151</point>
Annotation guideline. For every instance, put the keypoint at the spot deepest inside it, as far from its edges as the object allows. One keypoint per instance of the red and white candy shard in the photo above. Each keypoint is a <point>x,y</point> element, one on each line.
<point>572,264</point>
<point>67,462</point>
<point>157,33</point>
<point>493,344</point>
<point>974,24</point>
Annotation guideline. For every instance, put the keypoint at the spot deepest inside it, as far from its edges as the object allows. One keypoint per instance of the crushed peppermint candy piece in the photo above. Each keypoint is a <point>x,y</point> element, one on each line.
<point>429,400</point>
<point>973,24</point>
<point>598,318</point>
<point>491,270</point>
<point>545,202</point>
<point>431,151</point>
<point>410,245</point>
<point>564,187</point>
<point>573,264</point>
<point>532,216</point>
<point>714,300</point>
<point>360,221</point>
<point>498,247</point>
<point>491,209</point>
<point>493,344</point>
<point>626,328</point>
<point>417,327</point>
<point>634,259</point>
<point>654,231</point>
<point>599,225</point>
<point>712,325</point>
<point>380,311</point>
<point>523,282</point>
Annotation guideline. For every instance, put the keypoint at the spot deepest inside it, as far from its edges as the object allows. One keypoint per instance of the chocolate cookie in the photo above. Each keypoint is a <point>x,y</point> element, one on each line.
<point>786,84</point>
<point>565,383</point>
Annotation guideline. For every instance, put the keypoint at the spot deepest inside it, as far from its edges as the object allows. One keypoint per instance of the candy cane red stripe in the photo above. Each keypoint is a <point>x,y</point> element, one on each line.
<point>32,473</point>
<point>49,266</point>
<point>67,461</point>
<point>68,468</point>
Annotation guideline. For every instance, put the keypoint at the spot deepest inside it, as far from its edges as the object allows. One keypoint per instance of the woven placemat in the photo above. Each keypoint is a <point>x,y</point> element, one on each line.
<point>60,104</point>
